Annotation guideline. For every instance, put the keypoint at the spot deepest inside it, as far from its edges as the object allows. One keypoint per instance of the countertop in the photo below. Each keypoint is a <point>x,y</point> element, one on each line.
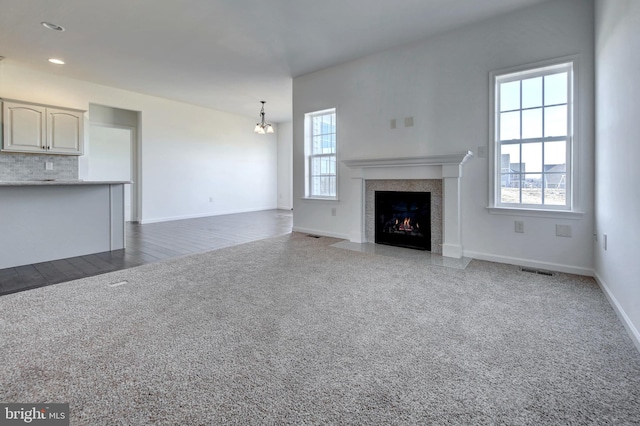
<point>60,182</point>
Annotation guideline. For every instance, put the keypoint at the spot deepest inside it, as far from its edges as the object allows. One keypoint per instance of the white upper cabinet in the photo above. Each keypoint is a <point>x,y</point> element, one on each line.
<point>42,129</point>
<point>24,127</point>
<point>64,131</point>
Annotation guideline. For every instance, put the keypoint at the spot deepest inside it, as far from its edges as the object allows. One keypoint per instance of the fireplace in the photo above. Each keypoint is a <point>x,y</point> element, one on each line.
<point>403,219</point>
<point>446,224</point>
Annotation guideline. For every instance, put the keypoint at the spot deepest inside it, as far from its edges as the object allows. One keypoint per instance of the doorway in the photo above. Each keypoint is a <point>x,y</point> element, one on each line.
<point>111,158</point>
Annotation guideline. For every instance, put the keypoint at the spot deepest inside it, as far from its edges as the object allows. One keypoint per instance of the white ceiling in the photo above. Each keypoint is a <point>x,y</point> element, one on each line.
<point>222,54</point>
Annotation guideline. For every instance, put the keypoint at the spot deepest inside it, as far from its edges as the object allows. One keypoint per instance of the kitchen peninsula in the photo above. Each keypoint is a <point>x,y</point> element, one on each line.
<point>46,220</point>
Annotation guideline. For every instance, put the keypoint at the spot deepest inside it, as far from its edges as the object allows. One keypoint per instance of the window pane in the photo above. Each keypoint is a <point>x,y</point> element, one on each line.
<point>327,165</point>
<point>315,186</point>
<point>555,89</point>
<point>510,96</point>
<point>555,192</point>
<point>532,123</point>
<point>555,121</point>
<point>532,157</point>
<point>510,154</point>
<point>509,126</point>
<point>555,156</point>
<point>510,194</point>
<point>317,125</point>
<point>315,166</point>
<point>532,92</point>
<point>328,123</point>
<point>328,144</point>
<point>532,189</point>
<point>317,145</point>
<point>324,186</point>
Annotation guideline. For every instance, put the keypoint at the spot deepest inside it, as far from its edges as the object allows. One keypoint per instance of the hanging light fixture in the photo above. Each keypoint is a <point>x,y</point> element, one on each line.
<point>263,127</point>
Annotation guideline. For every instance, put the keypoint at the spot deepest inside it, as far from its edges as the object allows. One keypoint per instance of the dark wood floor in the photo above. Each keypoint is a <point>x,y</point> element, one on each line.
<point>151,243</point>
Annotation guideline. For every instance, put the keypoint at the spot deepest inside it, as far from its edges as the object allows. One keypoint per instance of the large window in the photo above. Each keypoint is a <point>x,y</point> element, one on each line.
<point>320,150</point>
<point>533,137</point>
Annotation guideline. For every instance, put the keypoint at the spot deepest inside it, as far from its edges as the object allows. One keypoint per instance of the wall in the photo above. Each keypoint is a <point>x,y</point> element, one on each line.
<point>285,164</point>
<point>617,152</point>
<point>195,161</point>
<point>443,83</point>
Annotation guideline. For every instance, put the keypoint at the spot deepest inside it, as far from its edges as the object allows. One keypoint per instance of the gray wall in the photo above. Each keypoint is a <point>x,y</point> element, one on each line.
<point>443,83</point>
<point>617,152</point>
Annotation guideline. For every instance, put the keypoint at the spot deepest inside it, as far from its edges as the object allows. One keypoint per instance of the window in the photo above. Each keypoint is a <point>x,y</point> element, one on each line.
<point>320,150</point>
<point>533,134</point>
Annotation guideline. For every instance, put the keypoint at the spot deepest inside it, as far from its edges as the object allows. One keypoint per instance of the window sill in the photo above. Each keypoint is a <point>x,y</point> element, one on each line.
<point>554,214</point>
<point>320,199</point>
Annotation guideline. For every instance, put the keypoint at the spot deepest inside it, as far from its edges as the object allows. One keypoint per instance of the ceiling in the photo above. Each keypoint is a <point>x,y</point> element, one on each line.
<point>221,54</point>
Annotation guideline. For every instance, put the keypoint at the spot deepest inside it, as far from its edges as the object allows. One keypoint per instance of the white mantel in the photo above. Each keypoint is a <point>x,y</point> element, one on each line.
<point>445,167</point>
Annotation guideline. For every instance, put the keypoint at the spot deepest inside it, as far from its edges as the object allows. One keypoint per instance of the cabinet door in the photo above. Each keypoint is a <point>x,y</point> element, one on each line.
<point>24,127</point>
<point>64,131</point>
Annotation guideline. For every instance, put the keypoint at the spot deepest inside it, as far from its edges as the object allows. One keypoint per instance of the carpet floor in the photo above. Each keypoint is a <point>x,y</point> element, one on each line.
<point>289,330</point>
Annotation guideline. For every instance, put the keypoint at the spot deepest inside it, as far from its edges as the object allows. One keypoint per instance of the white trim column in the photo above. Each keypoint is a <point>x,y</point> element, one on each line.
<point>451,211</point>
<point>357,234</point>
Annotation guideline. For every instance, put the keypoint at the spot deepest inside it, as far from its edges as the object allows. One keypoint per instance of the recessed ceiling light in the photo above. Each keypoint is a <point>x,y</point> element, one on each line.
<point>51,26</point>
<point>56,61</point>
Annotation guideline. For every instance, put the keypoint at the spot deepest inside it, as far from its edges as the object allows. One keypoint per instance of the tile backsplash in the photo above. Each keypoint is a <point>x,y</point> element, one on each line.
<point>18,167</point>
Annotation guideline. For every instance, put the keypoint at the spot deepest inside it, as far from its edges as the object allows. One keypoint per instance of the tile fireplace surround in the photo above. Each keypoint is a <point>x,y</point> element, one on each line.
<point>395,174</point>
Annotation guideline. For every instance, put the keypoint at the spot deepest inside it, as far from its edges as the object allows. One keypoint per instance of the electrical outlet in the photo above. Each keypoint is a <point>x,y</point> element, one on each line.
<point>211,199</point>
<point>48,165</point>
<point>393,124</point>
<point>408,122</point>
<point>604,241</point>
<point>333,211</point>
<point>519,226</point>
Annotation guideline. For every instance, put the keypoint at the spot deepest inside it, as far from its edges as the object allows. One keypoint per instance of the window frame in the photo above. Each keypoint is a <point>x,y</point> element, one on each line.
<point>569,209</point>
<point>310,156</point>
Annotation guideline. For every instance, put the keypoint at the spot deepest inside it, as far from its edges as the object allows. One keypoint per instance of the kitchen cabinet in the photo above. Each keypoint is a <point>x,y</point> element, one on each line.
<point>49,220</point>
<point>35,128</point>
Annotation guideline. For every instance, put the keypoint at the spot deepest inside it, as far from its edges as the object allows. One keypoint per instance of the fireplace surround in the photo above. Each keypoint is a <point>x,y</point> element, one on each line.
<point>444,168</point>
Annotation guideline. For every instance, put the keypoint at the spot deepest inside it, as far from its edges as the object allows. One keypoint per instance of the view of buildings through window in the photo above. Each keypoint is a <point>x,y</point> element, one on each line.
<point>533,128</point>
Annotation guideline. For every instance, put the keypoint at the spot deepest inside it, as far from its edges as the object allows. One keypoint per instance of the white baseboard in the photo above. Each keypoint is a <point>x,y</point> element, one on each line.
<point>318,232</point>
<point>626,321</point>
<point>196,216</point>
<point>530,263</point>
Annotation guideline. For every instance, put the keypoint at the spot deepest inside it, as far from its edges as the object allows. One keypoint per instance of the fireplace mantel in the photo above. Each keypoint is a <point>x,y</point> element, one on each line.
<point>446,167</point>
<point>432,160</point>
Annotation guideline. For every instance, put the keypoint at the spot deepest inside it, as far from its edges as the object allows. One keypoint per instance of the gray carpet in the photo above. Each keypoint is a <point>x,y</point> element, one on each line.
<point>291,331</point>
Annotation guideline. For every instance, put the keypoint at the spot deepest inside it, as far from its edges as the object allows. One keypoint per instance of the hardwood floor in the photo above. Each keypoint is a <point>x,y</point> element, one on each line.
<point>151,243</point>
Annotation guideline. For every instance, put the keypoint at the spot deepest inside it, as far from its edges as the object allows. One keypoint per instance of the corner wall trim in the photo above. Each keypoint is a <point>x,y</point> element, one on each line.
<point>318,232</point>
<point>568,269</point>
<point>633,332</point>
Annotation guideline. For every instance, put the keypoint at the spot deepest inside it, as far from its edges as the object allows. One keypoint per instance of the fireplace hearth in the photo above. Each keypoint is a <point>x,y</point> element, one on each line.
<point>403,219</point>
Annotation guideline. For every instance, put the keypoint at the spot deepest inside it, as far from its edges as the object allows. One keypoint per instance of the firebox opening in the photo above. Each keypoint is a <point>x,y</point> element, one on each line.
<point>403,219</point>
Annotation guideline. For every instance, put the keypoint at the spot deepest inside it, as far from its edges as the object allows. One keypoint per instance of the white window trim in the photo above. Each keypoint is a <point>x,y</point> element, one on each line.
<point>573,211</point>
<point>307,156</point>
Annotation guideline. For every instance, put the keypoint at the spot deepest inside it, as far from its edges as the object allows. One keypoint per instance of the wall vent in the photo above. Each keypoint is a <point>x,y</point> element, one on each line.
<point>313,236</point>
<point>537,271</point>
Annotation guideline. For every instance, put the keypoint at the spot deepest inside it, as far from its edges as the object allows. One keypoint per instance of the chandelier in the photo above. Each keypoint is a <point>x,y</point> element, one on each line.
<point>263,127</point>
